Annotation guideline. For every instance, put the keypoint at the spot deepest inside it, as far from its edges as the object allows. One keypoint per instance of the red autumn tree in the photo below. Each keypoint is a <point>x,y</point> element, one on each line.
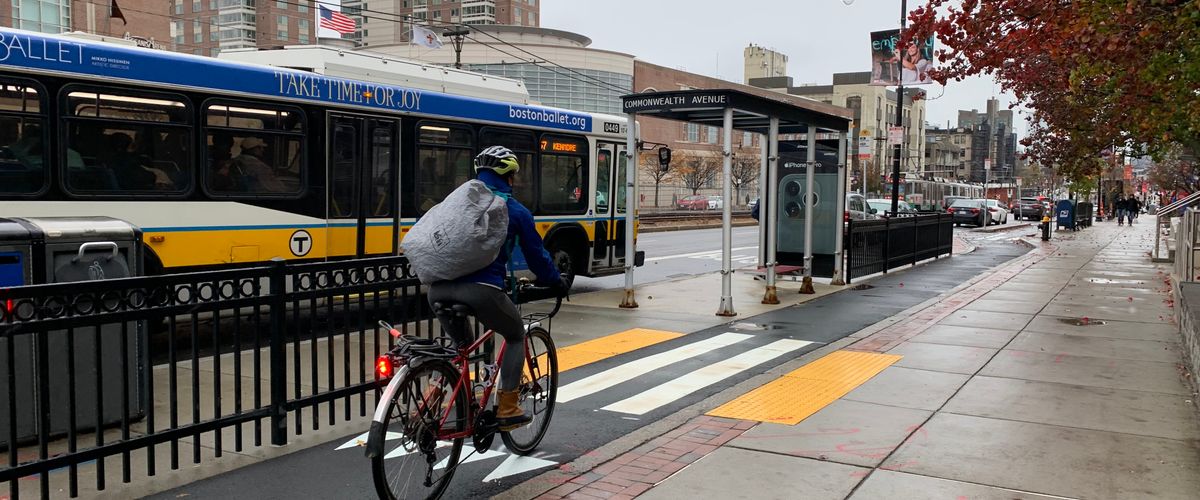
<point>1096,73</point>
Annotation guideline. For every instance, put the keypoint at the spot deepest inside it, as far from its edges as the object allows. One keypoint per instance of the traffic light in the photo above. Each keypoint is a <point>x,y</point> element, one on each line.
<point>664,158</point>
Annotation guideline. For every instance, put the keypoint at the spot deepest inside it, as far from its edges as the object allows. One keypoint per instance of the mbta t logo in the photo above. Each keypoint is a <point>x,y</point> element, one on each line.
<point>300,243</point>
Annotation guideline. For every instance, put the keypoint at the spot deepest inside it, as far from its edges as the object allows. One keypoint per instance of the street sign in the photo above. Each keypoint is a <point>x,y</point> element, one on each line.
<point>895,135</point>
<point>864,148</point>
<point>664,158</point>
<point>987,163</point>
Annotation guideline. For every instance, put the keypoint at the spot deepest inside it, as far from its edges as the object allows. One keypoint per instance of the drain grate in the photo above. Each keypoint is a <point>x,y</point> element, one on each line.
<point>1082,321</point>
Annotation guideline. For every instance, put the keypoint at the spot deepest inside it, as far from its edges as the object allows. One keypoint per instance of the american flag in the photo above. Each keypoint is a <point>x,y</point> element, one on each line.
<point>335,21</point>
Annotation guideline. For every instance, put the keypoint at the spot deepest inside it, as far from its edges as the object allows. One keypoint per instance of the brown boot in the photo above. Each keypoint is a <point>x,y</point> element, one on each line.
<point>510,415</point>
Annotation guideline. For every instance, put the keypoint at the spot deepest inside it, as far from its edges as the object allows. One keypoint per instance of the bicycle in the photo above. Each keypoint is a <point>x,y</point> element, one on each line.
<point>432,426</point>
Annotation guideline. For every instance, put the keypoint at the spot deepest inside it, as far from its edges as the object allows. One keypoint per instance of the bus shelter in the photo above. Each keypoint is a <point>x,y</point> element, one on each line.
<point>769,116</point>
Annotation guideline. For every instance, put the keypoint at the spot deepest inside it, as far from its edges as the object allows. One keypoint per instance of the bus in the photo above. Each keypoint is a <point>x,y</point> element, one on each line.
<point>228,163</point>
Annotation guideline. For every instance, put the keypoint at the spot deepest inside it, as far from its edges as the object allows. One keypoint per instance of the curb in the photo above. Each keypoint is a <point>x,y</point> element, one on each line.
<point>1006,227</point>
<point>663,229</point>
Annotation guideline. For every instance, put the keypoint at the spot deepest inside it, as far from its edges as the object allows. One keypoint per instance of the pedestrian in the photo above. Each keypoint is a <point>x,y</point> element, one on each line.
<point>1121,206</point>
<point>1134,208</point>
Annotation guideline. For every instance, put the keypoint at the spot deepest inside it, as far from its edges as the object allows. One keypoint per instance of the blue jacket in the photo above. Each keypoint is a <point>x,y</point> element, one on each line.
<point>520,225</point>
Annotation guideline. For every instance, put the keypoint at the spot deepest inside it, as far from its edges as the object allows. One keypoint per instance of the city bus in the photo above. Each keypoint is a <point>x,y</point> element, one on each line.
<point>227,163</point>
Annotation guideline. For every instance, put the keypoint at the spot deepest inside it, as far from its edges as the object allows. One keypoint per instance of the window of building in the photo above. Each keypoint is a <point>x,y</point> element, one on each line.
<point>445,154</point>
<point>177,34</point>
<point>437,14</point>
<point>213,31</point>
<point>282,26</point>
<point>212,4</point>
<point>281,4</point>
<point>22,139</point>
<point>178,6</point>
<point>46,16</point>
<point>214,51</point>
<point>563,175</point>
<point>253,150</point>
<point>747,139</point>
<point>196,5</point>
<point>712,135</point>
<point>532,19</point>
<point>691,132</point>
<point>454,13</point>
<point>523,145</point>
<point>197,31</point>
<point>126,143</point>
<point>302,29</point>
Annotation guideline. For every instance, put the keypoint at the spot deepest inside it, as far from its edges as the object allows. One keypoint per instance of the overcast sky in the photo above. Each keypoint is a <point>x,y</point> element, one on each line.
<point>820,37</point>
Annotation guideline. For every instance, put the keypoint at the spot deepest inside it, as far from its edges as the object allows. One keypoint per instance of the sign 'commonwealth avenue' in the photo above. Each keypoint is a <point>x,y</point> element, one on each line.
<point>671,101</point>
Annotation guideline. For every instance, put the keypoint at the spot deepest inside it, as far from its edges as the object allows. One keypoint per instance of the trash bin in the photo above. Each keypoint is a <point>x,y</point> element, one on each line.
<point>1064,214</point>
<point>1083,214</point>
<point>16,246</point>
<point>70,249</point>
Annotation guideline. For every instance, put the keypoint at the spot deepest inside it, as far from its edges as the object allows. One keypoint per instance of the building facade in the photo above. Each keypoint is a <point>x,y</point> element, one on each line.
<point>559,68</point>
<point>206,27</point>
<point>761,62</point>
<point>874,110</point>
<point>996,141</point>
<point>390,21</point>
<point>948,153</point>
<point>146,21</point>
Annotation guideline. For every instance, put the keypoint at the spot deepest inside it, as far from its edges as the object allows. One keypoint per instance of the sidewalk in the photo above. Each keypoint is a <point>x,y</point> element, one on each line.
<point>1057,375</point>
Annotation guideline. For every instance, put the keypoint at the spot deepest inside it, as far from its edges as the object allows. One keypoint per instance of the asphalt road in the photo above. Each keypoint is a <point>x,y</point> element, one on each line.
<point>680,254</point>
<point>602,401</point>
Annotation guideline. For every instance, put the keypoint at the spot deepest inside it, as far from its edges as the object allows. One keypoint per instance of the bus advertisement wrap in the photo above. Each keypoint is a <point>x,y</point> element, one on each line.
<point>81,57</point>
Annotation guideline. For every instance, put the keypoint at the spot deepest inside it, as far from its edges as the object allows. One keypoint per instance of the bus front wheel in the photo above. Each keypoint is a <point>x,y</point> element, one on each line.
<point>564,260</point>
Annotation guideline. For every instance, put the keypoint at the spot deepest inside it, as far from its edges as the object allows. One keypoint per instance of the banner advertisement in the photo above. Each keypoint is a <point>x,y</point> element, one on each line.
<point>890,65</point>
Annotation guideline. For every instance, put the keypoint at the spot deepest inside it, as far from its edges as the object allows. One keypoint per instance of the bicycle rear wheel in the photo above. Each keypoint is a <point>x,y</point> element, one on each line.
<point>416,464</point>
<point>539,386</point>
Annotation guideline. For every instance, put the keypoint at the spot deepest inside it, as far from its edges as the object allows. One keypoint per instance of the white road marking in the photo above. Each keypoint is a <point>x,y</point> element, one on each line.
<point>652,399</point>
<point>516,464</point>
<point>639,367</point>
<point>697,254</point>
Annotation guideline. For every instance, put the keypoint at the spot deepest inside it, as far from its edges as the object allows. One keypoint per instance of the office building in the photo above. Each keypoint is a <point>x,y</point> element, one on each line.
<point>390,21</point>
<point>761,62</point>
<point>995,141</point>
<point>146,21</point>
<point>205,27</point>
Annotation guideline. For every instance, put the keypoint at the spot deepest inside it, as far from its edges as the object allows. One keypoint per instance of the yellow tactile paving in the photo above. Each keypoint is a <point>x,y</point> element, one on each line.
<point>608,346</point>
<point>804,391</point>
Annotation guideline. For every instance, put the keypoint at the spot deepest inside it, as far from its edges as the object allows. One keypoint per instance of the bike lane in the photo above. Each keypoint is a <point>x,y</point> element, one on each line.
<point>604,398</point>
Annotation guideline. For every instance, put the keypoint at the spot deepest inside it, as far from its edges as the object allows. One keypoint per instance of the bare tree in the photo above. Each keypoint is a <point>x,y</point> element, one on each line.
<point>1173,173</point>
<point>697,171</point>
<point>744,170</point>
<point>650,167</point>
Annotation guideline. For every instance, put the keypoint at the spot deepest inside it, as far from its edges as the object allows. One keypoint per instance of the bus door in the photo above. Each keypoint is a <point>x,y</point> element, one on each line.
<point>608,250</point>
<point>364,214</point>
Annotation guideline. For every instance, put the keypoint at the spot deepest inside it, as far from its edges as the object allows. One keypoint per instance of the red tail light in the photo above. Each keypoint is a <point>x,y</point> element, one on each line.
<point>383,367</point>
<point>949,210</point>
<point>846,218</point>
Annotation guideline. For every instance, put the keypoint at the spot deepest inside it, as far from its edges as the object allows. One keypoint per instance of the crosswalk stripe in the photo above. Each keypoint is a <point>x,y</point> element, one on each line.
<point>636,368</point>
<point>652,399</point>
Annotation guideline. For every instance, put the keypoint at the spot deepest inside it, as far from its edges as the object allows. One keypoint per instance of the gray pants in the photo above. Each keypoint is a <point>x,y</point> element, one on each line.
<point>493,308</point>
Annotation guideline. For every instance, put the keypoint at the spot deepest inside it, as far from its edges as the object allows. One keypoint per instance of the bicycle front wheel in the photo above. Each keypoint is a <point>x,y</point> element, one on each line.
<point>417,464</point>
<point>539,386</point>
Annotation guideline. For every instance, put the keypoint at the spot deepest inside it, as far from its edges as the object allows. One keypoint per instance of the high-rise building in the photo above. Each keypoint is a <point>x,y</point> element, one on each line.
<point>994,139</point>
<point>390,21</point>
<point>205,27</point>
<point>145,21</point>
<point>761,62</point>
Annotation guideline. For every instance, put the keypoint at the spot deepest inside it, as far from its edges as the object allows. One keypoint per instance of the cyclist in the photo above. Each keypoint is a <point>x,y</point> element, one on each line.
<point>483,290</point>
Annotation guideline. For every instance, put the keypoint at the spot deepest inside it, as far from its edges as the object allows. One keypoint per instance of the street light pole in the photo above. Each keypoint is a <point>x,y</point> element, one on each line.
<point>899,116</point>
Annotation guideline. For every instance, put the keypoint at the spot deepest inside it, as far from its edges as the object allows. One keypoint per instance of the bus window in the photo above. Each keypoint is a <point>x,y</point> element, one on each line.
<point>445,160</point>
<point>253,151</point>
<point>563,175</point>
<point>120,143</point>
<point>22,140</point>
<point>522,144</point>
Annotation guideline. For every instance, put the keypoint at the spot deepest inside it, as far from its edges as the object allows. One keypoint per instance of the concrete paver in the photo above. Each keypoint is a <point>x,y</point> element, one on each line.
<point>847,432</point>
<point>1097,408</point>
<point>1054,343</point>
<point>732,473</point>
<point>1050,459</point>
<point>966,336</point>
<point>942,358</point>
<point>1105,328</point>
<point>1086,370</point>
<point>1011,306</point>
<point>888,485</point>
<point>984,319</point>
<point>909,388</point>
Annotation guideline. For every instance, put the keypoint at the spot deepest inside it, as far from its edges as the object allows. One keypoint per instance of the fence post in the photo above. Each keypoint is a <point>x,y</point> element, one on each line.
<point>848,248</point>
<point>916,239</point>
<point>887,244</point>
<point>950,251</point>
<point>278,372</point>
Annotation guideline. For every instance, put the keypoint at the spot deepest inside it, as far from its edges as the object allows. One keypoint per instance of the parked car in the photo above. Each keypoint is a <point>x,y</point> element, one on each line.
<point>883,206</point>
<point>857,209</point>
<point>693,202</point>
<point>1030,208</point>
<point>997,211</point>
<point>715,202</point>
<point>967,211</point>
<point>948,201</point>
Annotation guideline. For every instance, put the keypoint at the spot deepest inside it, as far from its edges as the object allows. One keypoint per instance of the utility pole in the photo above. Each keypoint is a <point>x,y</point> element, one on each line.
<point>899,116</point>
<point>457,37</point>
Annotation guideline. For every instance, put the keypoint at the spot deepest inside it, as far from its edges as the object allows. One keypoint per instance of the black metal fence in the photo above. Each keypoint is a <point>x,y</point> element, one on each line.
<point>877,246</point>
<point>141,367</point>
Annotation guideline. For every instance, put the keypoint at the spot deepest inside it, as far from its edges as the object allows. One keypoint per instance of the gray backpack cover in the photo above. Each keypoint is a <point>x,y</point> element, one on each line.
<point>462,234</point>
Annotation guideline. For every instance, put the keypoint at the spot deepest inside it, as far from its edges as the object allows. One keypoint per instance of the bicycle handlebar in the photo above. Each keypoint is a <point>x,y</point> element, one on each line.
<point>539,293</point>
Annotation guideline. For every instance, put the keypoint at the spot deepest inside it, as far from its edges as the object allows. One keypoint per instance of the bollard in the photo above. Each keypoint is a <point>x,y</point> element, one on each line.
<point>1045,228</point>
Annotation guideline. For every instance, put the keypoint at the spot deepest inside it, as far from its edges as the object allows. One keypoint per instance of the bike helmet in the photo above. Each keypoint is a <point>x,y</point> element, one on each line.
<point>498,159</point>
